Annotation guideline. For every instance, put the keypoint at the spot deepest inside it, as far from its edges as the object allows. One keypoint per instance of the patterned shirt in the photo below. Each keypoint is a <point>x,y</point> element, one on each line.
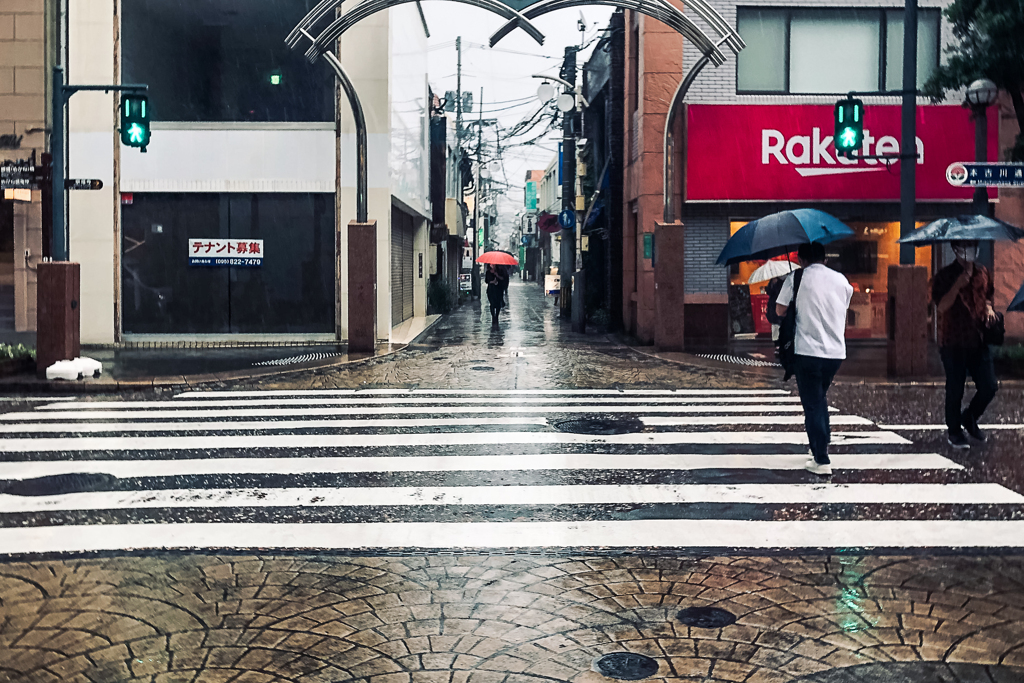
<point>960,325</point>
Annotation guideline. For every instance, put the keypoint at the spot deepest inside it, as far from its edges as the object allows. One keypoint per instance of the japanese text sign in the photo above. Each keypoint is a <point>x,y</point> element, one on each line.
<point>225,252</point>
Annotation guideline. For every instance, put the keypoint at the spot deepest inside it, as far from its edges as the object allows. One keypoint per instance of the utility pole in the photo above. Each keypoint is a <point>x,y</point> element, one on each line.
<point>908,169</point>
<point>478,195</point>
<point>567,252</point>
<point>480,162</point>
<point>475,278</point>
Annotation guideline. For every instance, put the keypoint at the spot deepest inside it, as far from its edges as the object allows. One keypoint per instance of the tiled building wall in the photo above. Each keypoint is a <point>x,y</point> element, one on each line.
<point>22,115</point>
<point>704,239</point>
<point>718,85</point>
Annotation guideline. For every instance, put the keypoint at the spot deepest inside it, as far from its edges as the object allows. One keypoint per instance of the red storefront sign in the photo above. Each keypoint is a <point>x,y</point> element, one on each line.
<point>785,152</point>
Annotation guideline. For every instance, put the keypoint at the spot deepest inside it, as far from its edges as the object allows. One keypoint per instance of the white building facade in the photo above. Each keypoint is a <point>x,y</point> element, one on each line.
<point>252,148</point>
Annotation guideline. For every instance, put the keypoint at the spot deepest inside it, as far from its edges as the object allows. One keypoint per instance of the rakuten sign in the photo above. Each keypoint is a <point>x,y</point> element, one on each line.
<point>786,152</point>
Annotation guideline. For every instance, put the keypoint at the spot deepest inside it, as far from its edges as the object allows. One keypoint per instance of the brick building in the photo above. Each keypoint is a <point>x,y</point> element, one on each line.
<point>757,139</point>
<point>22,137</point>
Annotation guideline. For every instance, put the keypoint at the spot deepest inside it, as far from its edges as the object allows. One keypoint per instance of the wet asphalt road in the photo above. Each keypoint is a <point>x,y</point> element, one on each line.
<point>532,609</point>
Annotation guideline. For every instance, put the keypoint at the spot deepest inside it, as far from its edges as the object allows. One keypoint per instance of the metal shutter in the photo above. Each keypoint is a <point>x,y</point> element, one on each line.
<point>401,267</point>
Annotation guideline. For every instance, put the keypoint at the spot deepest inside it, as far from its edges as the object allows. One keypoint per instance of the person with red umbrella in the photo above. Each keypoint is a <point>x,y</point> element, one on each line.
<point>496,282</point>
<point>496,279</point>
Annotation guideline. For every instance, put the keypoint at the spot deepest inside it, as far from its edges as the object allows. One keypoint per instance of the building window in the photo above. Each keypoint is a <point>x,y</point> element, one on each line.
<point>291,292</point>
<point>830,51</point>
<point>219,60</point>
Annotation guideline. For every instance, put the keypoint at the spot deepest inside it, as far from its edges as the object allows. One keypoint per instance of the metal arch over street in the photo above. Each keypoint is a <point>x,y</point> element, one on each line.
<point>367,8</point>
<point>657,9</point>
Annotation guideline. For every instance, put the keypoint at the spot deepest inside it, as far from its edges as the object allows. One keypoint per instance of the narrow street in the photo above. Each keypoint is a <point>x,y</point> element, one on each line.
<point>503,506</point>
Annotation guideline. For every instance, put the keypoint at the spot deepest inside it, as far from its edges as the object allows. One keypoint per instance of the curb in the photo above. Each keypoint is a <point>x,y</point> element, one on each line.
<point>770,373</point>
<point>107,385</point>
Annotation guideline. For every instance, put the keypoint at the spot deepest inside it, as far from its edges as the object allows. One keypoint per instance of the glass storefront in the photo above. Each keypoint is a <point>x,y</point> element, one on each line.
<point>864,259</point>
<point>291,291</point>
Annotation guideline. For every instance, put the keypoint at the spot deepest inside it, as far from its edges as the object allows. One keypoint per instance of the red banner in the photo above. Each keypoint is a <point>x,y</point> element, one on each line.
<point>786,152</point>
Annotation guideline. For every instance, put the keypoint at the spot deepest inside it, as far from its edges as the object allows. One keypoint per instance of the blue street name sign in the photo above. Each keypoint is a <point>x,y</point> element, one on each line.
<point>567,219</point>
<point>974,174</point>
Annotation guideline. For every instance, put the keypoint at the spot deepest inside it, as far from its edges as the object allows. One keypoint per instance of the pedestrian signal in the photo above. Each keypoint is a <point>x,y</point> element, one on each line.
<point>849,132</point>
<point>135,121</point>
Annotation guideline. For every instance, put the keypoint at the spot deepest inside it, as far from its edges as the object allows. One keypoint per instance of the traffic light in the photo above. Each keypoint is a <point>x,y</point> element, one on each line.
<point>849,134</point>
<point>135,120</point>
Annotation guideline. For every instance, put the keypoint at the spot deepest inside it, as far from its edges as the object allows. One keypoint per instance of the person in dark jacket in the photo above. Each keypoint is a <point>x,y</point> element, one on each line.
<point>496,284</point>
<point>962,293</point>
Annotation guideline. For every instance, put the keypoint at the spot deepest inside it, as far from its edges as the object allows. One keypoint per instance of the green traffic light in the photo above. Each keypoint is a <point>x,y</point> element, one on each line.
<point>848,138</point>
<point>136,133</point>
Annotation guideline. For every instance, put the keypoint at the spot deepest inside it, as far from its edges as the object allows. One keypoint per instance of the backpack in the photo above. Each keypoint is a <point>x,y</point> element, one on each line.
<point>786,344</point>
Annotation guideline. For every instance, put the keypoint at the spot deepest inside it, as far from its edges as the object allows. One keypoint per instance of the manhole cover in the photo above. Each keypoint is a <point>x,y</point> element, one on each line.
<point>626,666</point>
<point>706,617</point>
<point>600,425</point>
<point>59,484</point>
<point>484,368</point>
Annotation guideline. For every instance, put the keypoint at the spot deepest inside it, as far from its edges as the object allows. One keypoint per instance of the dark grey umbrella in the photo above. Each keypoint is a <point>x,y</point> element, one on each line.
<point>1018,301</point>
<point>964,228</point>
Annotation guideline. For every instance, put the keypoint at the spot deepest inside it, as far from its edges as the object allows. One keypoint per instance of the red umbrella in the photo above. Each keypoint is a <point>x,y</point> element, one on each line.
<point>498,258</point>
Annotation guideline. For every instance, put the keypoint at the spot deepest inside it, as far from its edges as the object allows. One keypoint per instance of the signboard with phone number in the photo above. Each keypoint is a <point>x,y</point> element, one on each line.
<point>220,252</point>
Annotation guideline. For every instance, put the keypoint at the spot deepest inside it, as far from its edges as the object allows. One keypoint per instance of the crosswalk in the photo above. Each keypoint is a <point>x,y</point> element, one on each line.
<point>399,470</point>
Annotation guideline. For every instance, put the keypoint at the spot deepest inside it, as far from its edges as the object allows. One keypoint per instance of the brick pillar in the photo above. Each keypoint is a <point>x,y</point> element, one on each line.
<point>908,321</point>
<point>668,286</point>
<point>362,287</point>
<point>58,314</point>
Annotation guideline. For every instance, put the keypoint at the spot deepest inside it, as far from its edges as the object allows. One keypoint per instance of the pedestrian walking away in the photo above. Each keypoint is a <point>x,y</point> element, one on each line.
<point>963,293</point>
<point>496,284</point>
<point>821,300</point>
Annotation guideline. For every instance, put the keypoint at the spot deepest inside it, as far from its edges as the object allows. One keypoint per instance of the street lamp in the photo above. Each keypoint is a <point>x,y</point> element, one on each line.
<point>981,94</point>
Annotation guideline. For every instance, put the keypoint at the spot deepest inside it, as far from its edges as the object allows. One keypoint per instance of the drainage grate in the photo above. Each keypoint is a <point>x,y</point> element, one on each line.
<point>600,425</point>
<point>59,484</point>
<point>291,360</point>
<point>483,368</point>
<point>626,666</point>
<point>706,617</point>
<point>739,360</point>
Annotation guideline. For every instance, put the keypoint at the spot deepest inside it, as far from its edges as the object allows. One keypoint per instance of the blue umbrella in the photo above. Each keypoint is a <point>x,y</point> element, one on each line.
<point>780,233</point>
<point>963,228</point>
<point>1018,301</point>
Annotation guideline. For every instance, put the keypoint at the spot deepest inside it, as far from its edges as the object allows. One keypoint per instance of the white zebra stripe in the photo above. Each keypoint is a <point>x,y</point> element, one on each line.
<point>636,403</point>
<point>466,463</point>
<point>263,425</point>
<point>312,411</point>
<point>581,494</point>
<point>125,443</point>
<point>485,392</point>
<point>659,533</point>
<point>842,420</point>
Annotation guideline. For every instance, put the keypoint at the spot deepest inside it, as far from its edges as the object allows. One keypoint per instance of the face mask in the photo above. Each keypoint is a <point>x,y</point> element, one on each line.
<point>966,253</point>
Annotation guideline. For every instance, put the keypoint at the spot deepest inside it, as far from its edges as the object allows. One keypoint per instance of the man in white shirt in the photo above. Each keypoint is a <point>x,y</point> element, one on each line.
<point>819,345</point>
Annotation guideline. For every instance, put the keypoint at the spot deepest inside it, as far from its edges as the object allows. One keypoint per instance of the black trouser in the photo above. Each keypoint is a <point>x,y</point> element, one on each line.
<point>958,362</point>
<point>813,378</point>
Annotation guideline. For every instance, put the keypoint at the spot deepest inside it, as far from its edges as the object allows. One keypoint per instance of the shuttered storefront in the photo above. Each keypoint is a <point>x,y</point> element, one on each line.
<point>401,266</point>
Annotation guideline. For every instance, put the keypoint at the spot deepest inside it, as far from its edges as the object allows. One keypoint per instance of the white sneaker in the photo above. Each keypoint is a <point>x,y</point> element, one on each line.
<point>812,466</point>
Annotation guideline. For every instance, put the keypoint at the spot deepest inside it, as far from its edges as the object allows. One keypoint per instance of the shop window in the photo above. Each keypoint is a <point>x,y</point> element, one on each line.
<point>218,60</point>
<point>822,51</point>
<point>864,259</point>
<point>292,291</point>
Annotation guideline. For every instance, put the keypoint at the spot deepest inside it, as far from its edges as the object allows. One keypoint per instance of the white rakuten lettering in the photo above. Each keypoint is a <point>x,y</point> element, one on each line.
<point>805,145</point>
<point>771,145</point>
<point>820,146</point>
<point>866,148</point>
<point>807,150</point>
<point>887,144</point>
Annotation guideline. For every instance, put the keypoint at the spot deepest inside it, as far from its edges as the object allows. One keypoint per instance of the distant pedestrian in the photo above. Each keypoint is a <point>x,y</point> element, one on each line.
<point>822,298</point>
<point>497,282</point>
<point>963,293</point>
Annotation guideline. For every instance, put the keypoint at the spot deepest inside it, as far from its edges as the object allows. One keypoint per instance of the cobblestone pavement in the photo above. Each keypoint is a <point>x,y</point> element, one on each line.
<point>525,619</point>
<point>530,618</point>
<point>531,348</point>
